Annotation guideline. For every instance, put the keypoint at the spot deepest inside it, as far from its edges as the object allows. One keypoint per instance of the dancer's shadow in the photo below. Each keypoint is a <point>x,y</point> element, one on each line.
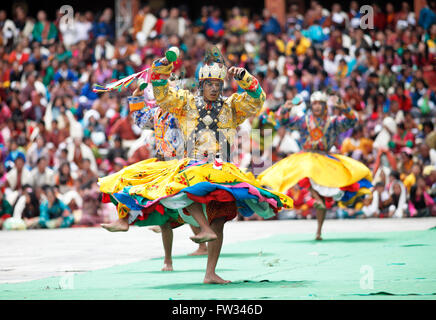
<point>239,255</point>
<point>179,271</point>
<point>343,240</point>
<point>263,284</point>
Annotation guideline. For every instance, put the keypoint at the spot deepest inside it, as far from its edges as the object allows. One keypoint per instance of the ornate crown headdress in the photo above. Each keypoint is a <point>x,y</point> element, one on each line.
<point>214,65</point>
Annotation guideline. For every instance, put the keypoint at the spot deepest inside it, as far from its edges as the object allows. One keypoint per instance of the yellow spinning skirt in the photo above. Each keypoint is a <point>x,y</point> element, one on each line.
<point>332,175</point>
<point>157,190</point>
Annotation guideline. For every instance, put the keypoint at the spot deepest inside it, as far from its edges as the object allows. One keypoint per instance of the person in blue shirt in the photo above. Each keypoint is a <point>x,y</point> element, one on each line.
<point>214,25</point>
<point>271,25</point>
<point>65,73</point>
<point>427,15</point>
<point>53,213</point>
<point>104,27</point>
<point>13,154</point>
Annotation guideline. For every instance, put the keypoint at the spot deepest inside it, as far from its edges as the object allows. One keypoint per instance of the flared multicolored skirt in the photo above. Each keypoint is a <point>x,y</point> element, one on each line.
<point>153,192</point>
<point>333,176</point>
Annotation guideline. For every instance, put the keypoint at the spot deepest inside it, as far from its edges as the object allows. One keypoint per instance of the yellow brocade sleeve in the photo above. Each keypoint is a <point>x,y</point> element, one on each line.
<point>250,102</point>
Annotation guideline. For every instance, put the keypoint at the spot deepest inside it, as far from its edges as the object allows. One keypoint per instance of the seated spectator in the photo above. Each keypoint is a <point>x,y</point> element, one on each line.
<point>375,204</point>
<point>14,153</point>
<point>42,175</point>
<point>103,52</point>
<point>5,209</point>
<point>78,151</point>
<point>403,138</point>
<point>65,179</point>
<point>357,145</point>
<point>410,180</point>
<point>397,200</point>
<point>36,151</point>
<point>16,179</point>
<point>303,201</point>
<point>53,212</point>
<point>92,213</point>
<point>65,73</point>
<point>117,151</point>
<point>298,44</point>
<point>430,134</point>
<point>403,99</point>
<point>27,207</point>
<point>124,128</point>
<point>86,175</point>
<point>420,203</point>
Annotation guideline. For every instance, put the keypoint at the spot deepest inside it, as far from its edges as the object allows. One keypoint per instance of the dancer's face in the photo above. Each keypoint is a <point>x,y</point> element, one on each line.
<point>211,89</point>
<point>317,108</point>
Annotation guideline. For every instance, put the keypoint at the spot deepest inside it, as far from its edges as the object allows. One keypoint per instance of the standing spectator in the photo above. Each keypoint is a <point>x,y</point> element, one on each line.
<point>171,25</point>
<point>214,25</point>
<point>9,31</point>
<point>270,23</point>
<point>143,24</point>
<point>104,26</point>
<point>427,15</point>
<point>44,31</point>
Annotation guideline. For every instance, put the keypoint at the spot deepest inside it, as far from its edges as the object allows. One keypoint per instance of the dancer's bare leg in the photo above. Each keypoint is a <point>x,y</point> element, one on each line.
<point>206,233</point>
<point>118,225</point>
<point>167,240</point>
<point>202,247</point>
<point>320,212</point>
<point>214,249</point>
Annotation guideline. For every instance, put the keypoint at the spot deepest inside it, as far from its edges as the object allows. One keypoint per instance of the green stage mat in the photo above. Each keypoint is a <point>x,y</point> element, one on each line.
<point>388,265</point>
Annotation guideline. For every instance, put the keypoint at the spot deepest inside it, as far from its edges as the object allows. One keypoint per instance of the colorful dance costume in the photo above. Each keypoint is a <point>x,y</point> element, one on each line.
<point>150,191</point>
<point>335,177</point>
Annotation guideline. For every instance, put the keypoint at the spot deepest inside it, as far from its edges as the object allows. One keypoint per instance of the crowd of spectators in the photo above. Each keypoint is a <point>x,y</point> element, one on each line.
<point>58,136</point>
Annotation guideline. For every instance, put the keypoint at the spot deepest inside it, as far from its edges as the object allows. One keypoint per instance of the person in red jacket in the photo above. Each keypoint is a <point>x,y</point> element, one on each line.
<point>404,100</point>
<point>403,138</point>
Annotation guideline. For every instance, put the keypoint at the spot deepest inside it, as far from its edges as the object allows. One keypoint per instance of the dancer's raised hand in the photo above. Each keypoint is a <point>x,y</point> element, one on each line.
<point>138,92</point>
<point>236,72</point>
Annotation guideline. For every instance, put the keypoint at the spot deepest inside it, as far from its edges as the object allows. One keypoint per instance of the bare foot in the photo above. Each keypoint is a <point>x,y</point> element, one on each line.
<point>204,237</point>
<point>119,225</point>
<point>318,237</point>
<point>201,251</point>
<point>168,266</point>
<point>214,279</point>
<point>156,229</point>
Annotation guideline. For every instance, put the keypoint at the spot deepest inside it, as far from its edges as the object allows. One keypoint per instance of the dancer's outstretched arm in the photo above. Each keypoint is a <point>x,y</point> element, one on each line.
<point>346,120</point>
<point>169,99</point>
<point>143,115</point>
<point>250,102</point>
